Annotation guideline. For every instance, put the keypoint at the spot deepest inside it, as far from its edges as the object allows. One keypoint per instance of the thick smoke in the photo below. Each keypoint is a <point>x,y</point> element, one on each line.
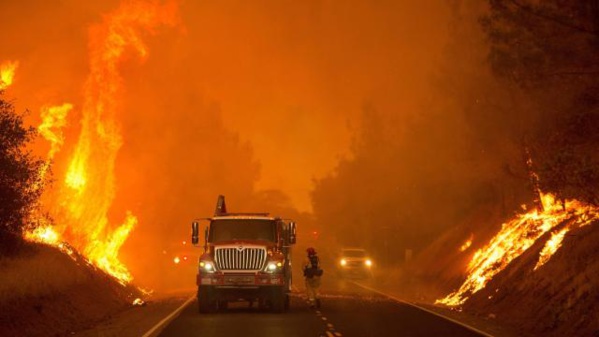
<point>256,100</point>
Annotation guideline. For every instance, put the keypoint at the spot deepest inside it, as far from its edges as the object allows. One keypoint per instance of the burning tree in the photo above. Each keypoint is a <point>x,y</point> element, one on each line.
<point>20,185</point>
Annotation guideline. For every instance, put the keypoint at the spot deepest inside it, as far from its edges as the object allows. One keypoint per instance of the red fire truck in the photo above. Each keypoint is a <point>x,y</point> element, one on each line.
<point>247,257</point>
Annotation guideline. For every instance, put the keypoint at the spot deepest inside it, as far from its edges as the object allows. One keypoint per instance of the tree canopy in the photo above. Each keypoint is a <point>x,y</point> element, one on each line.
<point>549,49</point>
<point>19,176</point>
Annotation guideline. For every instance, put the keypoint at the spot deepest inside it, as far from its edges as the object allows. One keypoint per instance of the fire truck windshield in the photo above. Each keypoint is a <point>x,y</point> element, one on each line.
<point>242,229</point>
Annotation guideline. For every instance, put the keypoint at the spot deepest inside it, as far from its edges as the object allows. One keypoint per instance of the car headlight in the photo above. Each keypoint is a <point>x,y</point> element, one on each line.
<point>368,263</point>
<point>343,262</point>
<point>206,265</point>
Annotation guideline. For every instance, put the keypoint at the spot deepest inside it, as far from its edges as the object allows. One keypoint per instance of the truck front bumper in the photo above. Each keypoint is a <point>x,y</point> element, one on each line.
<point>239,280</point>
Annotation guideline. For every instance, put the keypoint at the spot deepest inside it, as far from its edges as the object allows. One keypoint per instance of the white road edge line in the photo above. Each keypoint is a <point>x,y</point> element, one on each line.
<point>169,317</point>
<point>424,309</point>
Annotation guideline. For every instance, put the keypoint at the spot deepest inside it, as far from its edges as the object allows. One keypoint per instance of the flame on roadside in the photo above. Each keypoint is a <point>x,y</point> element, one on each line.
<point>516,236</point>
<point>80,206</point>
<point>551,247</point>
<point>45,234</point>
<point>7,73</point>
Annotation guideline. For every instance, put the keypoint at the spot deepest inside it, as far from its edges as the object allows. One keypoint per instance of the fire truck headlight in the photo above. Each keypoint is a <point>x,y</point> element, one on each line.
<point>368,263</point>
<point>274,265</point>
<point>343,262</point>
<point>207,266</point>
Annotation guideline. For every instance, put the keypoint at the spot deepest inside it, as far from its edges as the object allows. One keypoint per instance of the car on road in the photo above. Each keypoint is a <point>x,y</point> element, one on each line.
<point>354,263</point>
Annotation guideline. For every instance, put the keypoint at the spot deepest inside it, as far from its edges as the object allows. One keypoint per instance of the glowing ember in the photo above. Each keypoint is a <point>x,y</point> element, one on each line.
<point>466,244</point>
<point>516,236</point>
<point>81,205</point>
<point>7,73</point>
<point>138,302</point>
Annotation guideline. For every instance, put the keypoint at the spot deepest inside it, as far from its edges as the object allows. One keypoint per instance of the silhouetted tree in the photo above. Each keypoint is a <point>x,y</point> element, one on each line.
<point>19,178</point>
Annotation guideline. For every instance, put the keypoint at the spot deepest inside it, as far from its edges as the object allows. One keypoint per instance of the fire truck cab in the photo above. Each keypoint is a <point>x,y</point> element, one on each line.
<point>247,257</point>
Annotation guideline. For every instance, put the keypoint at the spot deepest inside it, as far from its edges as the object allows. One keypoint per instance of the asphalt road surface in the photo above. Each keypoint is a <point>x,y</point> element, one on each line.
<point>347,310</point>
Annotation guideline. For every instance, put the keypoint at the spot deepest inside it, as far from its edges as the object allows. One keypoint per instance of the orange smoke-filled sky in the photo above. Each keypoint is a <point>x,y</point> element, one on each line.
<point>290,77</point>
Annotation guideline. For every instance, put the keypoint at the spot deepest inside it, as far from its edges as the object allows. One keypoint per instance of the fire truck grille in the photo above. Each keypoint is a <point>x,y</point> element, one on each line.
<point>235,259</point>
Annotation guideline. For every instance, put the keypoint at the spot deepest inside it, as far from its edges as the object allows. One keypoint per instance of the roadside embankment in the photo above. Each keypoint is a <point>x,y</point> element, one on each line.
<point>45,292</point>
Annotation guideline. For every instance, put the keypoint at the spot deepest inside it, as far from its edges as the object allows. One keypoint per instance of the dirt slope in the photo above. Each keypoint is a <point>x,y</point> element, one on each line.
<point>47,293</point>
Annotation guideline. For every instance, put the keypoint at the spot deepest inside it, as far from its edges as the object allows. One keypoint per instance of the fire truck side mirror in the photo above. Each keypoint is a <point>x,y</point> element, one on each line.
<point>194,232</point>
<point>292,233</point>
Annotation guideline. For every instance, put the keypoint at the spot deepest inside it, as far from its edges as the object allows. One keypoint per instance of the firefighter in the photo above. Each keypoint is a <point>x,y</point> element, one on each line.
<point>312,274</point>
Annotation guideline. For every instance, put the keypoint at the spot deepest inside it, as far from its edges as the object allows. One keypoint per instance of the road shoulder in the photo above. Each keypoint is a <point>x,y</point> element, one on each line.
<point>486,326</point>
<point>139,320</point>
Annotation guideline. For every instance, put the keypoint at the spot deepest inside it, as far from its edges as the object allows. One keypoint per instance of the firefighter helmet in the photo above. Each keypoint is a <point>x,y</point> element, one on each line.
<point>311,251</point>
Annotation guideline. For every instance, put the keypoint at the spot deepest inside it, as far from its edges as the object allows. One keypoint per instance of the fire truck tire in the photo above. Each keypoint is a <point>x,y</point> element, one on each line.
<point>287,300</point>
<point>206,301</point>
<point>277,300</point>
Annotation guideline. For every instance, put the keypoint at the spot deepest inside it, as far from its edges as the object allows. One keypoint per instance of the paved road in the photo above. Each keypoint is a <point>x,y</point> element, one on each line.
<point>347,310</point>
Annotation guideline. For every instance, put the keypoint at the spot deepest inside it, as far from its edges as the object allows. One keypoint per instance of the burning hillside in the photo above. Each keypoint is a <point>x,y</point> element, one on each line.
<point>533,275</point>
<point>557,299</point>
<point>80,202</point>
<point>517,235</point>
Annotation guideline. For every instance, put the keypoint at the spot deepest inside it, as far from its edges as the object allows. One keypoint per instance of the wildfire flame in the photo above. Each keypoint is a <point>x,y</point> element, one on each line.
<point>551,247</point>
<point>81,204</point>
<point>516,236</point>
<point>53,120</point>
<point>7,73</point>
<point>45,234</point>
